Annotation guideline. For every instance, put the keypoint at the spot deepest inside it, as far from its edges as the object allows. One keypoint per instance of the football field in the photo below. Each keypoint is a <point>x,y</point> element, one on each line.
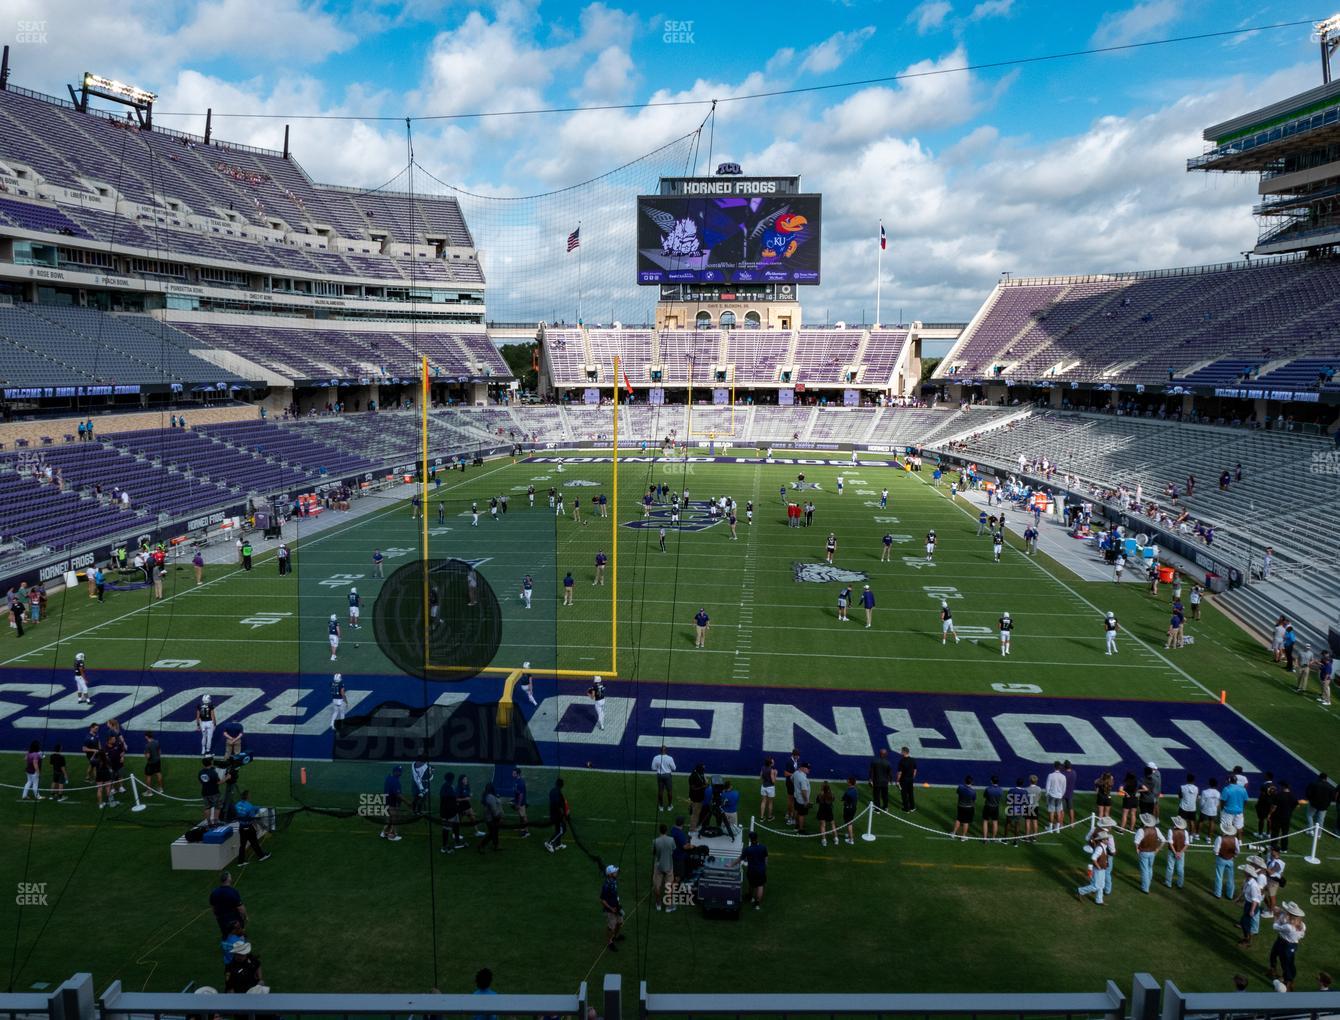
<point>336,908</point>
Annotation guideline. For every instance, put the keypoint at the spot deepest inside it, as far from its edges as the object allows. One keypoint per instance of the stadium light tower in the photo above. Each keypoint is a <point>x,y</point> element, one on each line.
<point>1328,34</point>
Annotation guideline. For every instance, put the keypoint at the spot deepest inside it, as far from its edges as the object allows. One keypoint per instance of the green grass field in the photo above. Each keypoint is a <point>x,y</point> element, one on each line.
<point>338,909</point>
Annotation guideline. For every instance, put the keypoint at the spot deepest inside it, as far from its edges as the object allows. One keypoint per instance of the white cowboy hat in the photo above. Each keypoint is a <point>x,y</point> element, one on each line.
<point>1148,819</point>
<point>1290,907</point>
<point>1179,822</point>
<point>1228,830</point>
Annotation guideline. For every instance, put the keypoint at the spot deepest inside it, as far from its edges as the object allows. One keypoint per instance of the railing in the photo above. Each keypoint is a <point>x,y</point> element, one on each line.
<point>1298,126</point>
<point>1153,274</point>
<point>74,1000</point>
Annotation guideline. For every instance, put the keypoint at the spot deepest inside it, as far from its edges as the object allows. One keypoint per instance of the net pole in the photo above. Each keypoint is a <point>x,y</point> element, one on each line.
<point>423,500</point>
<point>614,526</point>
<point>688,424</point>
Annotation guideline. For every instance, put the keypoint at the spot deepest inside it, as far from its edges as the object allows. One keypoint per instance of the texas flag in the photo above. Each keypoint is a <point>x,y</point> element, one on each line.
<point>883,240</point>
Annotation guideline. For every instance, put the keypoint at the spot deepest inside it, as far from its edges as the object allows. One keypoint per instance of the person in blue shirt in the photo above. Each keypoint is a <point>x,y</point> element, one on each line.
<point>484,986</point>
<point>247,813</point>
<point>755,860</point>
<point>991,798</point>
<point>601,560</point>
<point>967,805</point>
<point>100,588</point>
<point>378,561</point>
<point>868,600</point>
<point>1232,803</point>
<point>981,522</point>
<point>851,796</point>
<point>887,552</point>
<point>730,804</point>
<point>701,622</point>
<point>519,801</point>
<point>568,583</point>
<point>232,738</point>
<point>391,797</point>
<point>613,908</point>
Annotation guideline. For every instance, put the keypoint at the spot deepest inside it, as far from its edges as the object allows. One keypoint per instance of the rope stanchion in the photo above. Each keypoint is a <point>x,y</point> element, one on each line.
<point>1312,857</point>
<point>869,834</point>
<point>139,805</point>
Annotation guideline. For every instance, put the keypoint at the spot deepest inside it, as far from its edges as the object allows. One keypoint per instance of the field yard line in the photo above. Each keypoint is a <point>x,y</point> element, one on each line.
<point>134,612</point>
<point>1158,655</point>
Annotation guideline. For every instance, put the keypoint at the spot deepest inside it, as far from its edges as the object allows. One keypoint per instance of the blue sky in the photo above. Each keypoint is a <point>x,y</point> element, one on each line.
<point>1074,165</point>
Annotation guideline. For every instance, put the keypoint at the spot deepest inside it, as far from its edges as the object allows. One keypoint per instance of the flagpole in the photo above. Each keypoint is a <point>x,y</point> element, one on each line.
<point>879,269</point>
<point>579,272</point>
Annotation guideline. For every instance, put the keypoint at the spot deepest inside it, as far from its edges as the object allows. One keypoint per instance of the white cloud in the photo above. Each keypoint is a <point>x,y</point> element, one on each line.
<point>915,103</point>
<point>930,15</point>
<point>991,9</point>
<point>262,29</point>
<point>1138,24</point>
<point>830,54</point>
<point>611,77</point>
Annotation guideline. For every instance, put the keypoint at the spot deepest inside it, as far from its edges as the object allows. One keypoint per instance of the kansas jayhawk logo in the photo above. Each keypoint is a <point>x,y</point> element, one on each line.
<point>693,516</point>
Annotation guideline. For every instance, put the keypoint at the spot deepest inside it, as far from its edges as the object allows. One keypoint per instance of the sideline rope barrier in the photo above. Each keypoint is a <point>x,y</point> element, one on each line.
<point>982,839</point>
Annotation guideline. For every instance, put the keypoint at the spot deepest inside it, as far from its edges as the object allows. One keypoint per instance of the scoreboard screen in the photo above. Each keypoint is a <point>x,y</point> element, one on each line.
<point>735,239</point>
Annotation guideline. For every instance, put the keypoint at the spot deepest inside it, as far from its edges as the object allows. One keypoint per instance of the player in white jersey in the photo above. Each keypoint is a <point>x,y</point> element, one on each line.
<point>81,680</point>
<point>204,723</point>
<point>1110,630</point>
<point>527,588</point>
<point>596,692</point>
<point>333,631</point>
<point>946,623</point>
<point>1006,626</point>
<point>339,700</point>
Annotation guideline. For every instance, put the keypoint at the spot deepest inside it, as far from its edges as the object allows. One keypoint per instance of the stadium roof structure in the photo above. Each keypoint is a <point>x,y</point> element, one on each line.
<point>1254,141</point>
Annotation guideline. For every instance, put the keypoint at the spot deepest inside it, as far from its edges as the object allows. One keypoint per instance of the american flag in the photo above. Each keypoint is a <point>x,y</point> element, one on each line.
<point>575,239</point>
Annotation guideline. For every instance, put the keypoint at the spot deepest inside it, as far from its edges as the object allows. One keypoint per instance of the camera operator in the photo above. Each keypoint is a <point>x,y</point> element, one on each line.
<point>247,813</point>
<point>228,795</point>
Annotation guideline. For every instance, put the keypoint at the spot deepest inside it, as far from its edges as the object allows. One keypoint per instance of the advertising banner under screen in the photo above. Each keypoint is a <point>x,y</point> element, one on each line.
<point>733,239</point>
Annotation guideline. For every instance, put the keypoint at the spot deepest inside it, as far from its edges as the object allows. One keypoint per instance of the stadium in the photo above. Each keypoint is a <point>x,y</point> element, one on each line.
<point>430,628</point>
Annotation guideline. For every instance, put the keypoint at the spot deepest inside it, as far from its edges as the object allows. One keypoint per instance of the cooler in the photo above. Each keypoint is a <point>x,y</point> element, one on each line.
<point>1166,575</point>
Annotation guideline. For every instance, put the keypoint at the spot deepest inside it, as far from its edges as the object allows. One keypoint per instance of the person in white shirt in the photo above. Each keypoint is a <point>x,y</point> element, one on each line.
<point>1289,931</point>
<point>1055,787</point>
<point>1274,876</point>
<point>1253,889</point>
<point>1187,796</point>
<point>663,767</point>
<point>1208,802</point>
